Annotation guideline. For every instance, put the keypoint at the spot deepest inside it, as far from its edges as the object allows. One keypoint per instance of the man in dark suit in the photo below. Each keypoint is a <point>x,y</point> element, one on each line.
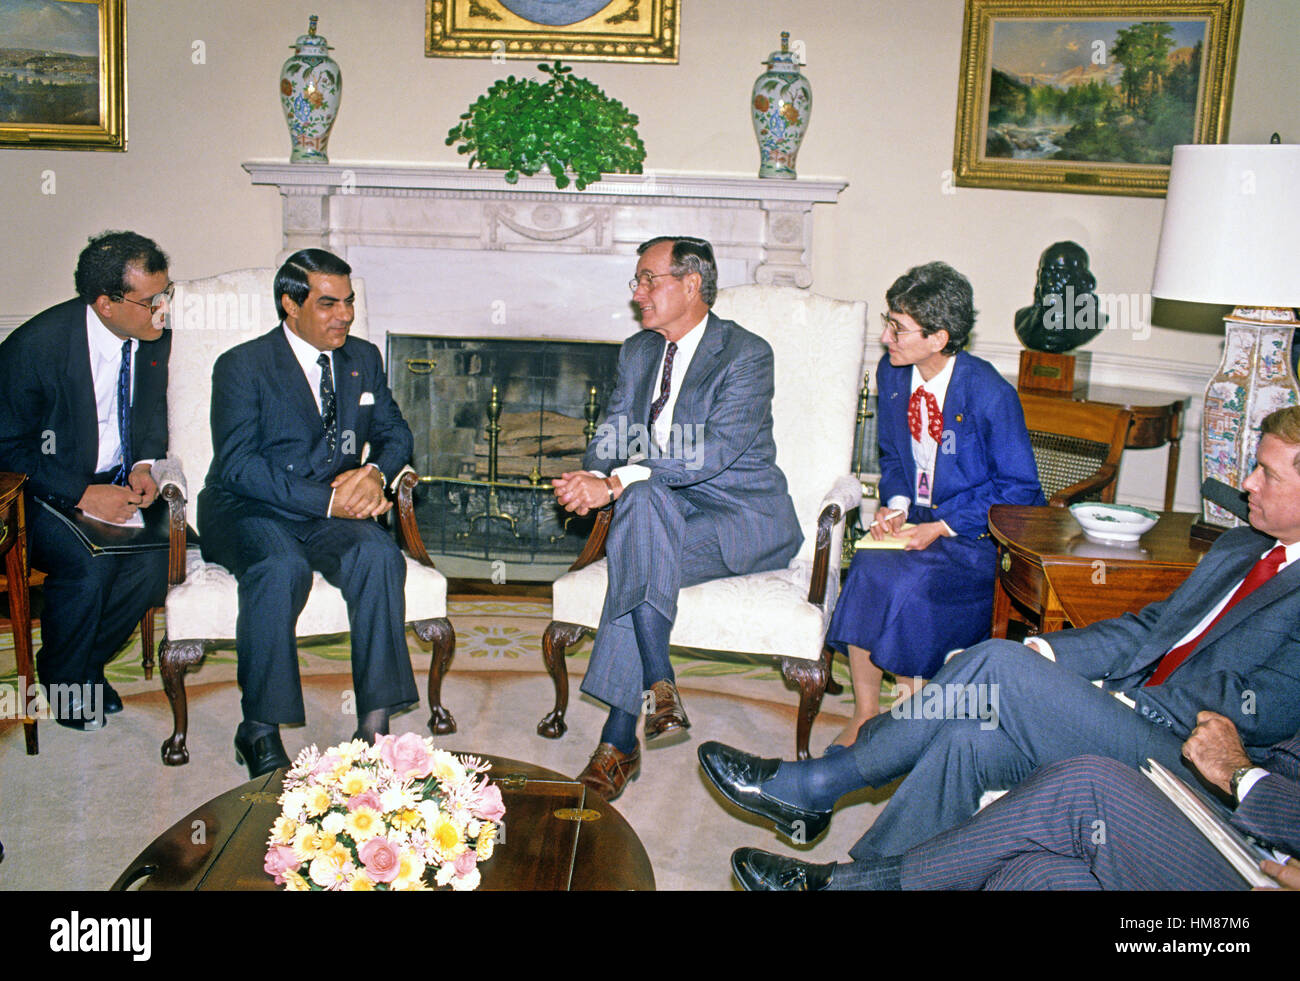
<point>686,459</point>
<point>83,412</point>
<point>1225,641</point>
<point>288,493</point>
<point>1085,823</point>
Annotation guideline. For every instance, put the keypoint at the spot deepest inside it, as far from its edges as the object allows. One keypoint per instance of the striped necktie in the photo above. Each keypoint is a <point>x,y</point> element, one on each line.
<point>665,386</point>
<point>124,414</point>
<point>328,404</point>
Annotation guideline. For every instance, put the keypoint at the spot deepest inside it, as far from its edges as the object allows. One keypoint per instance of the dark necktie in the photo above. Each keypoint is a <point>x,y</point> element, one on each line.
<point>1260,573</point>
<point>665,386</point>
<point>124,414</point>
<point>328,406</point>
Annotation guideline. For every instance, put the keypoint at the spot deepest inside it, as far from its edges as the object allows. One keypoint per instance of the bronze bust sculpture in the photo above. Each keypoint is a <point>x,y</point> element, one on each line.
<point>1065,313</point>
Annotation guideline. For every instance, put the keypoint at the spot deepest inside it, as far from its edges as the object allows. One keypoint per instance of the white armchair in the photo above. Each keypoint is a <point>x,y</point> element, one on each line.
<point>818,344</point>
<point>209,316</point>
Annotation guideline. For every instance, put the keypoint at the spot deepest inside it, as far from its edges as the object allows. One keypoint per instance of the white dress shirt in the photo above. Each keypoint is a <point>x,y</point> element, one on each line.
<point>105,365</point>
<point>925,451</point>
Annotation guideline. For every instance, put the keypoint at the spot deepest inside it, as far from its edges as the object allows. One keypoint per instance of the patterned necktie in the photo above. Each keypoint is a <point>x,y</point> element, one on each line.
<point>328,405</point>
<point>1260,573</point>
<point>124,414</point>
<point>935,417</point>
<point>665,386</point>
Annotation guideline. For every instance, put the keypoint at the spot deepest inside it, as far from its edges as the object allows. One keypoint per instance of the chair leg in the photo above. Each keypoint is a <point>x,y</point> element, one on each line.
<point>174,659</point>
<point>558,637</point>
<point>146,641</point>
<point>442,638</point>
<point>810,677</point>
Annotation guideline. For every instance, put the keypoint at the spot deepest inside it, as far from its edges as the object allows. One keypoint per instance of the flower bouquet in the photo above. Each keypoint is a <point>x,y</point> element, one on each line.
<point>361,817</point>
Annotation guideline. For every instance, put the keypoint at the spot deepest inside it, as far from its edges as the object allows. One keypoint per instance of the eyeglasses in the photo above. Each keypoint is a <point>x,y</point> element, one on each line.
<point>647,279</point>
<point>155,304</point>
<point>890,324</point>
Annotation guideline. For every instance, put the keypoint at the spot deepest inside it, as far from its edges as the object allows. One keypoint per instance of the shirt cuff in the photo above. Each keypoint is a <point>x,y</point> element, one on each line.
<point>330,508</point>
<point>631,473</point>
<point>1248,781</point>
<point>899,503</point>
<point>1042,647</point>
<point>947,531</point>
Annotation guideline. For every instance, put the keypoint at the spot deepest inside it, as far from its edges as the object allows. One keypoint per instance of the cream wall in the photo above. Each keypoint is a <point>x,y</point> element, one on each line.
<point>884,77</point>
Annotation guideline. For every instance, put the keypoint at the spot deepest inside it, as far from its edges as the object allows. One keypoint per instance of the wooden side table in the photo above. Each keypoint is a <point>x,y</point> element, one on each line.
<point>1051,576</point>
<point>13,546</point>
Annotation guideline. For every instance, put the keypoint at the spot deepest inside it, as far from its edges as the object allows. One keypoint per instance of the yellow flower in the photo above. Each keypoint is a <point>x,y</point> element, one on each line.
<point>304,843</point>
<point>487,839</point>
<point>293,882</point>
<point>410,871</point>
<point>283,830</point>
<point>446,768</point>
<point>318,801</point>
<point>363,824</point>
<point>446,837</point>
<point>361,883</point>
<point>407,819</point>
<point>325,842</point>
<point>354,782</point>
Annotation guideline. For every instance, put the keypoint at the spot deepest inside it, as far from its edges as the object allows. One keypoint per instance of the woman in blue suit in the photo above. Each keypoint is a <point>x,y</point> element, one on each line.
<point>952,444</point>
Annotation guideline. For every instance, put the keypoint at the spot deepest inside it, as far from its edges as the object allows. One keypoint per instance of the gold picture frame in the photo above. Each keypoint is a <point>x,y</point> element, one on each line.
<point>605,30</point>
<point>64,91</point>
<point>1090,97</point>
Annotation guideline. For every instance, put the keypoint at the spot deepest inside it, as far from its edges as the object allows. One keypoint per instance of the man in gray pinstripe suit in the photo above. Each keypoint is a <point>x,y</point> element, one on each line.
<point>685,457</point>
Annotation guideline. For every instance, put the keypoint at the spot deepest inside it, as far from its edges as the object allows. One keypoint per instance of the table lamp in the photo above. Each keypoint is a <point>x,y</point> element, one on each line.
<point>1231,224</point>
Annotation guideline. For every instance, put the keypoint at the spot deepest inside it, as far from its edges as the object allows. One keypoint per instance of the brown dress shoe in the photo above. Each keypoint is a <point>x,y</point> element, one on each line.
<point>668,714</point>
<point>608,770</point>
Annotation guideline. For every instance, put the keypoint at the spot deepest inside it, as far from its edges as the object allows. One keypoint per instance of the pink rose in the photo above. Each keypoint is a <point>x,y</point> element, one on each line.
<point>466,862</point>
<point>368,799</point>
<point>380,859</point>
<point>325,765</point>
<point>489,807</point>
<point>279,860</point>
<point>407,755</point>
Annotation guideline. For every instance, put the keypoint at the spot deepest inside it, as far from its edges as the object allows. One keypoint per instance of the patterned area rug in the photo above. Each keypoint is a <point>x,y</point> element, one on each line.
<point>491,634</point>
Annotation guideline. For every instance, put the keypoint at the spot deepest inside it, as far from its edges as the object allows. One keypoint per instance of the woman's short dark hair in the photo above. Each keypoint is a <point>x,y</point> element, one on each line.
<point>102,265</point>
<point>690,255</point>
<point>937,297</point>
<point>291,278</point>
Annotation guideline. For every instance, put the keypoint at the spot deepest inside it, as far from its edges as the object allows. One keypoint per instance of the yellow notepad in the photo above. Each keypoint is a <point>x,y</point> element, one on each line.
<point>889,541</point>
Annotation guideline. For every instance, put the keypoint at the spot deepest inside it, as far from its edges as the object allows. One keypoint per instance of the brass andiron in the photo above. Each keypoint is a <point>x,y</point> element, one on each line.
<point>864,413</point>
<point>591,411</point>
<point>493,509</point>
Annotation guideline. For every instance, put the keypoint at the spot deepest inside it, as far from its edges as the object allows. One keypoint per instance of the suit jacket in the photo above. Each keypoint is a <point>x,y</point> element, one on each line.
<point>726,460</point>
<point>268,444</point>
<point>1271,811</point>
<point>1247,668</point>
<point>49,426</point>
<point>987,458</point>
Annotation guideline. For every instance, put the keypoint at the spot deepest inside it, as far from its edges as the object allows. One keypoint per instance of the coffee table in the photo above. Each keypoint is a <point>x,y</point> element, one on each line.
<point>1048,570</point>
<point>558,836</point>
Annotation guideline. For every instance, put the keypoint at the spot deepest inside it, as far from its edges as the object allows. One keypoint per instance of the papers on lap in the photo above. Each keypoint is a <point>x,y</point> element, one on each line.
<point>889,541</point>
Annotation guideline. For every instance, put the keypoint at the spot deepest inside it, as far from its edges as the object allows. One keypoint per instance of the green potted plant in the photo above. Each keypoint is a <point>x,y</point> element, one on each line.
<point>565,125</point>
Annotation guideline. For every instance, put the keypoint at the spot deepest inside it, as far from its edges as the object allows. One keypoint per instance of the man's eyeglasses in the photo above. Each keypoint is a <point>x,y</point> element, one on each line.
<point>155,304</point>
<point>890,324</point>
<point>647,279</point>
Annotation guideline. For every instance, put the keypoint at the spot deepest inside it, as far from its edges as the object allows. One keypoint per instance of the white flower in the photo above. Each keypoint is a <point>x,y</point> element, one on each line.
<point>333,822</point>
<point>467,882</point>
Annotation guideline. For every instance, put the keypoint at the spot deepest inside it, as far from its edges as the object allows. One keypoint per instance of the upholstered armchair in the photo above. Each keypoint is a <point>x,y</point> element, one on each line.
<point>817,343</point>
<point>210,316</point>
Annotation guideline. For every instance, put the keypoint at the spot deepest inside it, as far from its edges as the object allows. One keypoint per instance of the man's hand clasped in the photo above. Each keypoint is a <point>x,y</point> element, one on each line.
<point>358,494</point>
<point>582,491</point>
<point>109,502</point>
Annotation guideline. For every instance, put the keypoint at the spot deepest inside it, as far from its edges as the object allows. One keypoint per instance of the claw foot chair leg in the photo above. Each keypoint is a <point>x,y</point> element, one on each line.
<point>810,677</point>
<point>440,635</point>
<point>557,639</point>
<point>174,659</point>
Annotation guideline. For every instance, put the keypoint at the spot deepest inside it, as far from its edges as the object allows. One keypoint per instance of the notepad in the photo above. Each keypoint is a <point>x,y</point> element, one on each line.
<point>889,541</point>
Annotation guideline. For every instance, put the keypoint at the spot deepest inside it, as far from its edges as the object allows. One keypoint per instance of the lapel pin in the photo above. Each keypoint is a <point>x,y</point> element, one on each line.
<point>959,417</point>
<point>354,374</point>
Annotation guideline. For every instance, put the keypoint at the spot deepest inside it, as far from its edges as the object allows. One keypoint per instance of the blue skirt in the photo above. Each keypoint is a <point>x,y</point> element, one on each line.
<point>909,609</point>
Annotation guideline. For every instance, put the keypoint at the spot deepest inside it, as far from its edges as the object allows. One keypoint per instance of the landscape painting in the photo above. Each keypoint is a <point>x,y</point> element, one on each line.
<point>61,74</point>
<point>1091,103</point>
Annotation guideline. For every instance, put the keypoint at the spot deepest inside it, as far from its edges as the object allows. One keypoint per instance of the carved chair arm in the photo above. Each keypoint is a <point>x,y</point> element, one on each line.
<point>1075,492</point>
<point>844,495</point>
<point>408,531</point>
<point>595,547</point>
<point>174,494</point>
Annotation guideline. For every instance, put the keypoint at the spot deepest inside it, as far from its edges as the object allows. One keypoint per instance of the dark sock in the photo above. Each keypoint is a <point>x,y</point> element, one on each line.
<point>250,731</point>
<point>815,784</point>
<point>620,730</point>
<point>373,723</point>
<point>652,629</point>
<point>876,874</point>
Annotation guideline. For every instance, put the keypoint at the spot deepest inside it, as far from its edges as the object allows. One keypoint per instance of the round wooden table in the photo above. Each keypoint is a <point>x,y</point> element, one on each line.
<point>557,836</point>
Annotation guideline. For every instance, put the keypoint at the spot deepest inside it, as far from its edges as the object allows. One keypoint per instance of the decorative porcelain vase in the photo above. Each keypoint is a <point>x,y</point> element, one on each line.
<point>781,104</point>
<point>311,85</point>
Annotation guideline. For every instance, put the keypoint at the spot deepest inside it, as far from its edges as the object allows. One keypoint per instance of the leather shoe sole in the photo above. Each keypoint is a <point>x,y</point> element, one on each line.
<point>609,770</point>
<point>261,755</point>
<point>760,871</point>
<point>740,776</point>
<point>668,718</point>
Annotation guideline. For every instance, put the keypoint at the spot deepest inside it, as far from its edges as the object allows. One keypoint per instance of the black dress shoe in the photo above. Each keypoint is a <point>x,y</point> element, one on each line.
<point>262,755</point>
<point>70,708</point>
<point>111,700</point>
<point>740,777</point>
<point>760,871</point>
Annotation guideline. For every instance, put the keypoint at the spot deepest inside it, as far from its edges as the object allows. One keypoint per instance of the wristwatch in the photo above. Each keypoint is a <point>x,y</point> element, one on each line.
<point>609,485</point>
<point>1239,775</point>
<point>383,480</point>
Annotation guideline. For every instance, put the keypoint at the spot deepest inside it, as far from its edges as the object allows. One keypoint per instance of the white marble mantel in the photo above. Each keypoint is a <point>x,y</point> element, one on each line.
<point>761,226</point>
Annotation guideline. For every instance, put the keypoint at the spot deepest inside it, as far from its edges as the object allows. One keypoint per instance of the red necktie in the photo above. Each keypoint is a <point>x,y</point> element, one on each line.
<point>665,386</point>
<point>935,417</point>
<point>1262,571</point>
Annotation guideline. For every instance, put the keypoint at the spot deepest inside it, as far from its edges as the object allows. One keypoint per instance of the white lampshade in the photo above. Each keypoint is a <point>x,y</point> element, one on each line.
<point>1231,232</point>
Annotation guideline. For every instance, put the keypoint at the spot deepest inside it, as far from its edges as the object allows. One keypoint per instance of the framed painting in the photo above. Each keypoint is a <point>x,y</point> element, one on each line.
<point>63,74</point>
<point>574,30</point>
<point>1090,97</point>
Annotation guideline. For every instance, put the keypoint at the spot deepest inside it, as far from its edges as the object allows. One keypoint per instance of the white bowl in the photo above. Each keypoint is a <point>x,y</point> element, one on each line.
<point>1114,523</point>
